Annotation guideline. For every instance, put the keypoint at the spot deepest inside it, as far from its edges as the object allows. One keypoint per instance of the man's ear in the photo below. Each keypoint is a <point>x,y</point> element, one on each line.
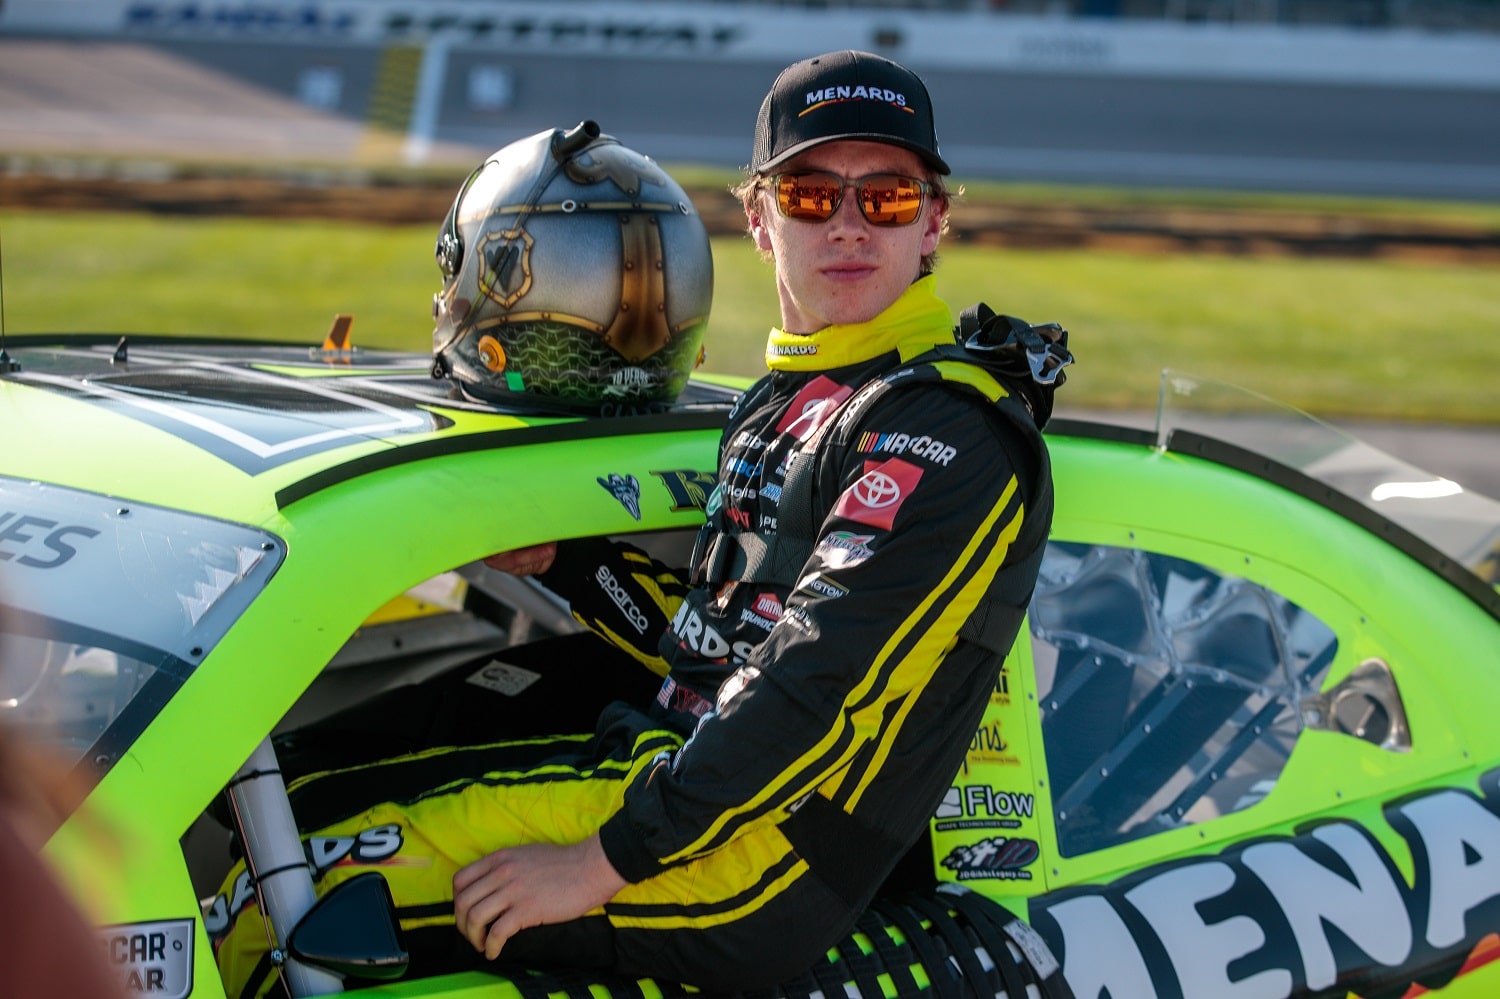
<point>758,233</point>
<point>933,228</point>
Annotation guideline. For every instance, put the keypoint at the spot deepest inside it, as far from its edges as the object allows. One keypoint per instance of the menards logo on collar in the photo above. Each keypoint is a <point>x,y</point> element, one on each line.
<point>1324,912</point>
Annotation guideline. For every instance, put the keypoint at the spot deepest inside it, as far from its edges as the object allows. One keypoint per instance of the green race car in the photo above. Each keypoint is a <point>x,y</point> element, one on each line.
<point>1243,749</point>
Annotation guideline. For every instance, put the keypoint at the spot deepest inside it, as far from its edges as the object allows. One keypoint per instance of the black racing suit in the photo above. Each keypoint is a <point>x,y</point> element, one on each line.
<point>837,703</point>
<point>826,666</point>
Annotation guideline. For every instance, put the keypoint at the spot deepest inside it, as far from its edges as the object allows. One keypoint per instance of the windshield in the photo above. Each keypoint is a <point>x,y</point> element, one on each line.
<point>107,606</point>
<point>1462,524</point>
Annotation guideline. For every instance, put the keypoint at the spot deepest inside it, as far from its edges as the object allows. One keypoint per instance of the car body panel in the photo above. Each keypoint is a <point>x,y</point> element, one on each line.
<point>366,478</point>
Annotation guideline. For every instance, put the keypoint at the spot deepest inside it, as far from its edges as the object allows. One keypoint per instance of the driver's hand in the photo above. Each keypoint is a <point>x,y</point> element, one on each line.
<point>524,561</point>
<point>530,885</point>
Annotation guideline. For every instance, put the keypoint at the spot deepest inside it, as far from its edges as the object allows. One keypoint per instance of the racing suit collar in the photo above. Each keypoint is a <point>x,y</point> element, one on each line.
<point>914,323</point>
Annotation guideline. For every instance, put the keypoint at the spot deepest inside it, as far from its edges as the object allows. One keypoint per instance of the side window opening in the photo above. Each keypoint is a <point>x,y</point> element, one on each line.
<point>1169,692</point>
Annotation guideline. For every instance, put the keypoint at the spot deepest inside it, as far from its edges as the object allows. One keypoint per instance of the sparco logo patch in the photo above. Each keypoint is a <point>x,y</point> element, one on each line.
<point>612,588</point>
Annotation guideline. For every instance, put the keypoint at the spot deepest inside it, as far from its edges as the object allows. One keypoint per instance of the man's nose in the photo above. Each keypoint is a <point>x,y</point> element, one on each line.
<point>847,222</point>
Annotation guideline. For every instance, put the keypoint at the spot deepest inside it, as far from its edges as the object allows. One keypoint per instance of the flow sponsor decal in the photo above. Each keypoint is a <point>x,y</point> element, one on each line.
<point>877,496</point>
<point>626,489</point>
<point>1322,912</point>
<point>920,446</point>
<point>689,489</point>
<point>998,858</point>
<point>154,958</point>
<point>980,806</point>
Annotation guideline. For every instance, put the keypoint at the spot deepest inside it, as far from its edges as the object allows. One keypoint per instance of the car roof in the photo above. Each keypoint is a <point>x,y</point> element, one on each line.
<point>242,430</point>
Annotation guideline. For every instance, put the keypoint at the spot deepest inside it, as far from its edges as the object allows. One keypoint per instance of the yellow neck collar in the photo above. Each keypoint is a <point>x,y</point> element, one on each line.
<point>913,323</point>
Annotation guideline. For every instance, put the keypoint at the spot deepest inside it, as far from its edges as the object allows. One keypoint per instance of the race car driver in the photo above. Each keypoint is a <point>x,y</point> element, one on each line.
<point>872,541</point>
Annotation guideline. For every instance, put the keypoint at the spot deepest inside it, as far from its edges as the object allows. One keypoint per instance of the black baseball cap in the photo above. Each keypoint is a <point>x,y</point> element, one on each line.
<point>844,95</point>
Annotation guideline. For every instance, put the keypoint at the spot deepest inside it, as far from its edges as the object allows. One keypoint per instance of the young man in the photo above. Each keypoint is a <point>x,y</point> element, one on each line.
<point>834,704</point>
<point>871,546</point>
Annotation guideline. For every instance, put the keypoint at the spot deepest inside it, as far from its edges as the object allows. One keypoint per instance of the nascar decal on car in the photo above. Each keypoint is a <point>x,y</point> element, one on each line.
<point>626,489</point>
<point>1325,909</point>
<point>154,958</point>
<point>877,496</point>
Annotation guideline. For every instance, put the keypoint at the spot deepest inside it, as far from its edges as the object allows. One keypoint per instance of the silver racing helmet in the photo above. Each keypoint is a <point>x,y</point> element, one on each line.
<point>577,277</point>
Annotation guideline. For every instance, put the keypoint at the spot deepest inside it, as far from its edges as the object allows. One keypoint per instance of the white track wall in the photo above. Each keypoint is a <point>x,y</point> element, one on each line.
<point>952,40</point>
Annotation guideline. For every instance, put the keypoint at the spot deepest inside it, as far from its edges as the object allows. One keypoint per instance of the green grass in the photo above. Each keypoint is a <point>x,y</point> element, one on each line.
<point>1340,338</point>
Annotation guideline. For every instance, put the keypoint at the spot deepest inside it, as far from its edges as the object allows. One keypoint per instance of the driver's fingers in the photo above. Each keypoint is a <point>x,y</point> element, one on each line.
<point>478,898</point>
<point>526,561</point>
<point>501,930</point>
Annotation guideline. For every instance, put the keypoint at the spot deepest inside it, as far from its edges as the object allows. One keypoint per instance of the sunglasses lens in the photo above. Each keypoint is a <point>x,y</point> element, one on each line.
<point>890,199</point>
<point>813,197</point>
<point>886,199</point>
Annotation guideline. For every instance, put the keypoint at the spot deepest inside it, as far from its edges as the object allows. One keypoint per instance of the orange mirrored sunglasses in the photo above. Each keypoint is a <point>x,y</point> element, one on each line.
<point>885,199</point>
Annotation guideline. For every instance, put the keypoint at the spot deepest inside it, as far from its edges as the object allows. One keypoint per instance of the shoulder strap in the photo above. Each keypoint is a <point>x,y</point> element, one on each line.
<point>778,556</point>
<point>993,355</point>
